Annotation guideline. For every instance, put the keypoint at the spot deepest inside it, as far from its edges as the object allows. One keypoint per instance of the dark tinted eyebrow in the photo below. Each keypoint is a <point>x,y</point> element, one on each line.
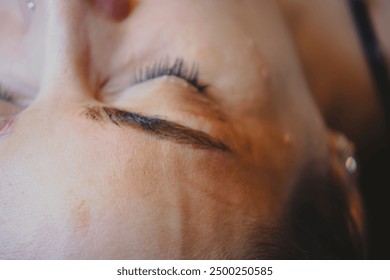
<point>156,127</point>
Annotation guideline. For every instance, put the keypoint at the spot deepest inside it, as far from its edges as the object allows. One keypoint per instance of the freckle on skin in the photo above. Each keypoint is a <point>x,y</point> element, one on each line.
<point>287,138</point>
<point>258,58</point>
<point>81,214</point>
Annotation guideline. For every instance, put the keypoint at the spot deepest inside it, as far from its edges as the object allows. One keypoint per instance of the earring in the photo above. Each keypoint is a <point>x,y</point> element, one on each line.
<point>31,5</point>
<point>351,165</point>
<point>346,152</point>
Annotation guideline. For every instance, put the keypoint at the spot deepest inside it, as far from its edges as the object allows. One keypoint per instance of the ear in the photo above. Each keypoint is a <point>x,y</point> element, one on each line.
<point>343,169</point>
<point>324,217</point>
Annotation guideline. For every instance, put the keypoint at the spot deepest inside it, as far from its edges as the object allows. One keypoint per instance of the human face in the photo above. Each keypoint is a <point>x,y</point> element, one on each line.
<point>98,164</point>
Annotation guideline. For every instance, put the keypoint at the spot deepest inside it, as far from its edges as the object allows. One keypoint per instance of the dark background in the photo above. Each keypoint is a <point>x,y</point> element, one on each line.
<point>375,189</point>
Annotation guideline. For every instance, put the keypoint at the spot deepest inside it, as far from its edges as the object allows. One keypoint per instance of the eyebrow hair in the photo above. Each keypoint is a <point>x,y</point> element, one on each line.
<point>156,127</point>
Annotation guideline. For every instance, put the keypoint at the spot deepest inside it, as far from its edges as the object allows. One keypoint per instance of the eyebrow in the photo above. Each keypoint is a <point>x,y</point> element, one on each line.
<point>156,127</point>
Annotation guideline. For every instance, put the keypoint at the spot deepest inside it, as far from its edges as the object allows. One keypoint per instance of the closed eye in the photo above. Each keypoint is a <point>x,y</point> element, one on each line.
<point>5,95</point>
<point>163,67</point>
<point>10,104</point>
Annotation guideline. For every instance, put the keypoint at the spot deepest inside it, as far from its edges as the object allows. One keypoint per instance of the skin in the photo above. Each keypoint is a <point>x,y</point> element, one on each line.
<point>72,186</point>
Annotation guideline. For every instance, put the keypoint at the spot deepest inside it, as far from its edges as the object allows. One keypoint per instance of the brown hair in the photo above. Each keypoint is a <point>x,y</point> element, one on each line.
<point>321,221</point>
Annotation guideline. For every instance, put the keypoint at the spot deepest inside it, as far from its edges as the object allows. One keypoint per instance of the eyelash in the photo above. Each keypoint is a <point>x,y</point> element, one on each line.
<point>163,68</point>
<point>5,96</point>
<point>159,69</point>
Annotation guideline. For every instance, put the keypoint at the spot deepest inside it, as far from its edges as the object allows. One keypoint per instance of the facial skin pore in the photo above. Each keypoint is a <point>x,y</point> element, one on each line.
<point>77,181</point>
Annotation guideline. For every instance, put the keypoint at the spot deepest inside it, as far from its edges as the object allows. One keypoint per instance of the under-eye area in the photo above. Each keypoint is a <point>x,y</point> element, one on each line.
<point>156,127</point>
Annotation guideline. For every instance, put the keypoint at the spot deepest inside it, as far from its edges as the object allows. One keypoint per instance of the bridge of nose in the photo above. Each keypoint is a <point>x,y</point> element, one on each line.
<point>68,41</point>
<point>66,46</point>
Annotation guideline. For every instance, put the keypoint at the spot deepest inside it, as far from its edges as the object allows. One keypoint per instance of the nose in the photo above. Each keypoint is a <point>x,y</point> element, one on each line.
<point>68,43</point>
<point>66,58</point>
<point>115,9</point>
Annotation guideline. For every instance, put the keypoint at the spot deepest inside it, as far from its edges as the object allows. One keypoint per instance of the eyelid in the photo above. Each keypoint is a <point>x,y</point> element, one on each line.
<point>12,102</point>
<point>5,95</point>
<point>8,108</point>
<point>179,69</point>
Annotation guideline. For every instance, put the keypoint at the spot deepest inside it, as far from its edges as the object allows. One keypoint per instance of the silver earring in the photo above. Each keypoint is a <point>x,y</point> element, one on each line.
<point>351,165</point>
<point>31,5</point>
<point>346,152</point>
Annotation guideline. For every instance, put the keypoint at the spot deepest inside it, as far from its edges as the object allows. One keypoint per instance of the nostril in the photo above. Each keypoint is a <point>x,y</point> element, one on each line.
<point>116,9</point>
